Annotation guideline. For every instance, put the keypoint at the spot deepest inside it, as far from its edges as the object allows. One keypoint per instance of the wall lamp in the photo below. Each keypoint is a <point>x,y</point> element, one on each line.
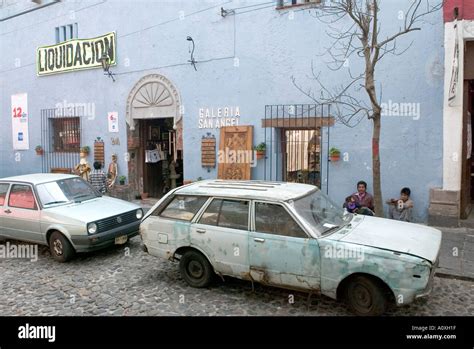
<point>192,60</point>
<point>105,60</point>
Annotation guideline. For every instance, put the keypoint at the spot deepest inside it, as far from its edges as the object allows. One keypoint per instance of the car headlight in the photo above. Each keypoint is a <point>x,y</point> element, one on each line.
<point>92,228</point>
<point>139,214</point>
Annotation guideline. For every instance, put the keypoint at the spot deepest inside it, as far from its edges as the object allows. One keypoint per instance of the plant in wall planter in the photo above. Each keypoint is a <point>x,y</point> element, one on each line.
<point>85,151</point>
<point>122,180</point>
<point>260,150</point>
<point>334,154</point>
<point>39,150</point>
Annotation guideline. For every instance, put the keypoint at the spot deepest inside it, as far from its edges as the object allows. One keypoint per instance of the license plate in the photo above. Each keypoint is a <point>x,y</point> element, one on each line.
<point>120,240</point>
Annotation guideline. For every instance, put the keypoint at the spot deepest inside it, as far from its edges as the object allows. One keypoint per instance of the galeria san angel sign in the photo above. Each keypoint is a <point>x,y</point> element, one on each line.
<point>76,54</point>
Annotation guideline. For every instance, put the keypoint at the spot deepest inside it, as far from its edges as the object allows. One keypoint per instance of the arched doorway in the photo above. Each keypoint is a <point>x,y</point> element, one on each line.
<point>154,134</point>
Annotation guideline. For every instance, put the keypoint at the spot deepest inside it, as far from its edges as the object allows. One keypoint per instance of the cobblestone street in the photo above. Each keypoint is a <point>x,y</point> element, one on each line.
<point>126,281</point>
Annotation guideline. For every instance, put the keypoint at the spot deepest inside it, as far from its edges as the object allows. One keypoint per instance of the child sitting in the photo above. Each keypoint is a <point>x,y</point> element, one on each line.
<point>353,206</point>
<point>401,209</point>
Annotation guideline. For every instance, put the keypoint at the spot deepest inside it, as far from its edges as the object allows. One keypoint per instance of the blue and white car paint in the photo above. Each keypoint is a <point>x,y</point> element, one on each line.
<point>339,251</point>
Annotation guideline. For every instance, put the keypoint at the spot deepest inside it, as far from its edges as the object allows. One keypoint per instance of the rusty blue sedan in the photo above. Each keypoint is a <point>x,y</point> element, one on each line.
<point>293,236</point>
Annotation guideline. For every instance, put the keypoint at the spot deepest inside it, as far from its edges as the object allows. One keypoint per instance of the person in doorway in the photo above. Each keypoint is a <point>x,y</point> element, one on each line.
<point>401,209</point>
<point>98,179</point>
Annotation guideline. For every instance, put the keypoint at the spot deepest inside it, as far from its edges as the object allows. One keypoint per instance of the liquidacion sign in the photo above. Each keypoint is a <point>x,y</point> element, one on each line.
<point>75,54</point>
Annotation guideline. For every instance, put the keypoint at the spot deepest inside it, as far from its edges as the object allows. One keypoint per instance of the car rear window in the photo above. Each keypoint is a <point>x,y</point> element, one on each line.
<point>21,196</point>
<point>183,207</point>
<point>3,193</point>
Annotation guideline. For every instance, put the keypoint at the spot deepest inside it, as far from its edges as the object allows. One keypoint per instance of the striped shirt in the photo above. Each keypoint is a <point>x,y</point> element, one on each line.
<point>98,180</point>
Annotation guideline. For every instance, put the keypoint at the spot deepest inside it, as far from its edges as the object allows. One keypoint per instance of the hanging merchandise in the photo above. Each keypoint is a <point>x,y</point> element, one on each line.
<point>162,153</point>
<point>152,156</point>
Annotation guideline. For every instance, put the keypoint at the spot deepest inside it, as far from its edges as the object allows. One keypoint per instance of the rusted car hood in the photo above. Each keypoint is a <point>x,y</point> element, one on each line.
<point>414,239</point>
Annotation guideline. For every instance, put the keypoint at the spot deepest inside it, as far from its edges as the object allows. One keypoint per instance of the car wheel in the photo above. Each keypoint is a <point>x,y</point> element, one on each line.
<point>60,247</point>
<point>195,269</point>
<point>365,297</point>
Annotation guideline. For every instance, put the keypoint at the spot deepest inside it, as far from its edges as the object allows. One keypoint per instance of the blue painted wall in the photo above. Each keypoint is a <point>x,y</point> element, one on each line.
<point>270,47</point>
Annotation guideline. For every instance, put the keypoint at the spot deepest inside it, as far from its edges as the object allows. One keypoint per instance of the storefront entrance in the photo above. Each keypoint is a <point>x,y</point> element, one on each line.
<point>467,181</point>
<point>154,134</point>
<point>160,170</point>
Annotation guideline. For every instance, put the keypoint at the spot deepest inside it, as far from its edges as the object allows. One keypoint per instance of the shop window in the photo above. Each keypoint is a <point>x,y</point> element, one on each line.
<point>66,32</point>
<point>66,134</point>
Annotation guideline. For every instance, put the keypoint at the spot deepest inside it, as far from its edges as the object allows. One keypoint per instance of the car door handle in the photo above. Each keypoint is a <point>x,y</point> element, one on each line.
<point>258,240</point>
<point>201,231</point>
<point>7,211</point>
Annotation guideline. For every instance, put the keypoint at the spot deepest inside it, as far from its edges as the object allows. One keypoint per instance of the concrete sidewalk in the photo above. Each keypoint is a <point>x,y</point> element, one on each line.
<point>457,253</point>
<point>457,249</point>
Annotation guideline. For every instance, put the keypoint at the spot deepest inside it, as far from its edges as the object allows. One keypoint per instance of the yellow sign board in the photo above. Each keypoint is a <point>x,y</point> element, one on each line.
<point>76,54</point>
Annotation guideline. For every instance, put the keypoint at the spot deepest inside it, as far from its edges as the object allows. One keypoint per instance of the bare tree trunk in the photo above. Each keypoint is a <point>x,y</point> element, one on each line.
<point>365,28</point>
<point>376,177</point>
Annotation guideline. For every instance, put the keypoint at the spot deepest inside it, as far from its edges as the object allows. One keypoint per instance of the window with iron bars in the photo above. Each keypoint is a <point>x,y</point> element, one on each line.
<point>283,4</point>
<point>66,134</point>
<point>66,32</point>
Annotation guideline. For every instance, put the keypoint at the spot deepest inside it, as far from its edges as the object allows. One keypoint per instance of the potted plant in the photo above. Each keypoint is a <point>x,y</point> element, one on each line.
<point>85,150</point>
<point>260,150</point>
<point>334,154</point>
<point>144,196</point>
<point>39,150</point>
<point>122,180</point>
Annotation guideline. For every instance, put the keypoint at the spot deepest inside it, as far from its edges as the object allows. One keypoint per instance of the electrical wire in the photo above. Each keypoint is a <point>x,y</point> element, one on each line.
<point>174,19</point>
<point>53,18</point>
<point>170,21</point>
<point>263,3</point>
<point>258,9</point>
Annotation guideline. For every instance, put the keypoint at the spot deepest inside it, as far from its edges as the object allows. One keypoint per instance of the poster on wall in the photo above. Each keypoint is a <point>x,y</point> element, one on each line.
<point>20,121</point>
<point>113,121</point>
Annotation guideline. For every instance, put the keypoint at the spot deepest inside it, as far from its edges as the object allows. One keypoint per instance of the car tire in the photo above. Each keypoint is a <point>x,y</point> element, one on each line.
<point>60,247</point>
<point>196,269</point>
<point>365,297</point>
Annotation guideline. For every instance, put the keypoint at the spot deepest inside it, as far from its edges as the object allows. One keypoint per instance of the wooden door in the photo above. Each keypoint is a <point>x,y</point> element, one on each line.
<point>466,153</point>
<point>235,152</point>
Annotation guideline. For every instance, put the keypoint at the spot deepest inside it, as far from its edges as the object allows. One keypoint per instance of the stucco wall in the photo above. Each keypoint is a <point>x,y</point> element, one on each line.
<point>270,48</point>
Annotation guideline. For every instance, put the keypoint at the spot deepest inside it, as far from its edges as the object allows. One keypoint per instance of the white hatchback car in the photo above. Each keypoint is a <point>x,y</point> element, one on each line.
<point>65,213</point>
<point>292,236</point>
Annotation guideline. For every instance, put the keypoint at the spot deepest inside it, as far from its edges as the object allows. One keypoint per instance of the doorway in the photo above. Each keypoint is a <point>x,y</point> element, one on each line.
<point>161,163</point>
<point>154,137</point>
<point>467,179</point>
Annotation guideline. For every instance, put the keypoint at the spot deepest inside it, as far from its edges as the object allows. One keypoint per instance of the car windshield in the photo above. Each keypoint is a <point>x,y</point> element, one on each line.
<point>65,191</point>
<point>321,213</point>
